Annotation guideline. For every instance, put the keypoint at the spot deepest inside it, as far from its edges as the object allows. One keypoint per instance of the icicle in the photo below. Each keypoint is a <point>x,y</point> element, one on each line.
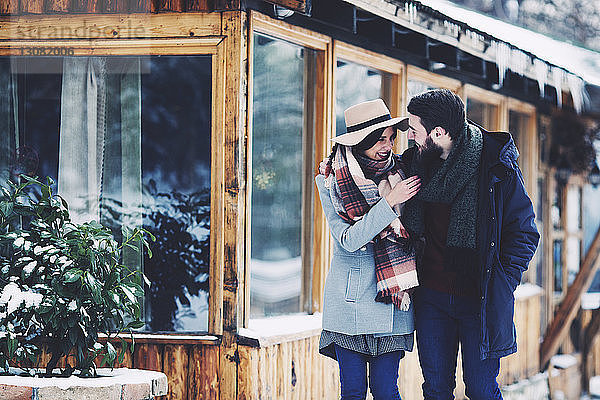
<point>557,78</point>
<point>475,38</point>
<point>502,51</point>
<point>410,9</point>
<point>518,61</point>
<point>578,92</point>
<point>541,74</point>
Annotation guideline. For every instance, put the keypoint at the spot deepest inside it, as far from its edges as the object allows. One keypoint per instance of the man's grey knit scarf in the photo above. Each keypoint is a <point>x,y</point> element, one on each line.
<point>455,183</point>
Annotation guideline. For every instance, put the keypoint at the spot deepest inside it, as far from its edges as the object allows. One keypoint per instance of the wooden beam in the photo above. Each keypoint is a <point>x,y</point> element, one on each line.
<point>58,6</point>
<point>227,5</point>
<point>8,7</point>
<point>109,26</point>
<point>199,5</point>
<point>559,327</point>
<point>86,6</point>
<point>589,336</point>
<point>32,6</point>
<point>171,5</point>
<point>301,6</point>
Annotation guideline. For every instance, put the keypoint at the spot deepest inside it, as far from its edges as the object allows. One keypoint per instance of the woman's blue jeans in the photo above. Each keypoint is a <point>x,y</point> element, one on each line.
<point>383,374</point>
<point>443,321</point>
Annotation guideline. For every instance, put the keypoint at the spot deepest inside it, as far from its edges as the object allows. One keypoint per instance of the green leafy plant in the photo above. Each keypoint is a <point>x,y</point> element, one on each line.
<point>63,284</point>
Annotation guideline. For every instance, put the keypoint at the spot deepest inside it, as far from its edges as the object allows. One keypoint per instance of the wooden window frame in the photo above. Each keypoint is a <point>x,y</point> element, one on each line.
<point>529,165</point>
<point>438,81</point>
<point>532,158</point>
<point>491,98</point>
<point>312,279</point>
<point>213,46</point>
<point>380,62</point>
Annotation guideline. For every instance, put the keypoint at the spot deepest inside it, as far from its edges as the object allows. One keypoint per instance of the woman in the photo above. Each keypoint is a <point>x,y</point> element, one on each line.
<point>367,314</point>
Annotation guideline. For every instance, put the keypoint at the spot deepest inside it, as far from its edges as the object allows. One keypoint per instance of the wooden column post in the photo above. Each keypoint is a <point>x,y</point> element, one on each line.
<point>589,336</point>
<point>234,28</point>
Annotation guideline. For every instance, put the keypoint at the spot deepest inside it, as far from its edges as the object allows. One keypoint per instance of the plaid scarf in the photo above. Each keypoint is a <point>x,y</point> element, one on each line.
<point>352,195</point>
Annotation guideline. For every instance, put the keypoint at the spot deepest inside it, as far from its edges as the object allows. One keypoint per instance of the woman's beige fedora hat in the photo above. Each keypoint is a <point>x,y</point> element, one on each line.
<point>364,118</point>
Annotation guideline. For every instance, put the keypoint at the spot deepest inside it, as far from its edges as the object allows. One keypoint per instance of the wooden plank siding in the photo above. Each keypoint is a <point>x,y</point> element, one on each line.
<point>16,7</point>
<point>286,371</point>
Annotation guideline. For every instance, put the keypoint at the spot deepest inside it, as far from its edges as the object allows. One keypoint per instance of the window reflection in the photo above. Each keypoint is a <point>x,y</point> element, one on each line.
<point>573,208</point>
<point>355,83</point>
<point>573,258</point>
<point>518,126</point>
<point>483,114</point>
<point>539,220</point>
<point>281,148</point>
<point>127,139</point>
<point>557,208</point>
<point>557,247</point>
<point>416,87</point>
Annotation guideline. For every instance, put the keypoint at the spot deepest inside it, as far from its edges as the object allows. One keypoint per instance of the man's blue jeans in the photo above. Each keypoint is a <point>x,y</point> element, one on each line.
<point>383,374</point>
<point>443,321</point>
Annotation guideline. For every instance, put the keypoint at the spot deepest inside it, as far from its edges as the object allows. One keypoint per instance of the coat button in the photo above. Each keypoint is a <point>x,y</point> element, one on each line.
<point>492,244</point>
<point>364,248</point>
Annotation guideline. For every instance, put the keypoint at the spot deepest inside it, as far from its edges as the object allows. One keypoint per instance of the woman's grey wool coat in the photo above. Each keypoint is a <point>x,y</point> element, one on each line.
<point>350,287</point>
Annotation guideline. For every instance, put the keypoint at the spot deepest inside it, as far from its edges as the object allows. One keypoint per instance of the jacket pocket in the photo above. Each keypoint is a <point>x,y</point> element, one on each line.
<point>353,284</point>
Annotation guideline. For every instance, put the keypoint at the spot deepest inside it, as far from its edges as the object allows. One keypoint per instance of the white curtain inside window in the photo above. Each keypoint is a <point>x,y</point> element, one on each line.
<point>82,130</point>
<point>9,137</point>
<point>100,153</point>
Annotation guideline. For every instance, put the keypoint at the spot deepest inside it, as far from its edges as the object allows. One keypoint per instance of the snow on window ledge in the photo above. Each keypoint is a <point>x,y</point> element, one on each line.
<point>527,290</point>
<point>263,332</point>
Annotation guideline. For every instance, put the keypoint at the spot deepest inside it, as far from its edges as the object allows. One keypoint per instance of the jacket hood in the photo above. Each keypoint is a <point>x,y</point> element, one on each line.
<point>499,148</point>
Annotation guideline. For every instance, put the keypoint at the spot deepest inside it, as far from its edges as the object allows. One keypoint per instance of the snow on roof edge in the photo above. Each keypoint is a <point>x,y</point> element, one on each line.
<point>559,53</point>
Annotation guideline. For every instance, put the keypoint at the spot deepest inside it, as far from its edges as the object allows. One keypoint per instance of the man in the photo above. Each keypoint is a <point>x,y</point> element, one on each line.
<point>478,224</point>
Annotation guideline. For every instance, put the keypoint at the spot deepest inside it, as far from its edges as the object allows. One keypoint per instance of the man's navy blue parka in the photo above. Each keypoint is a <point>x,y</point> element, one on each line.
<point>507,240</point>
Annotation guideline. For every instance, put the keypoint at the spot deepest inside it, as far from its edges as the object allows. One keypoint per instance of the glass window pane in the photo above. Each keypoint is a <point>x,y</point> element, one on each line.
<point>557,249</point>
<point>573,258</point>
<point>348,92</point>
<point>483,114</point>
<point>591,223</point>
<point>415,87</point>
<point>176,157</point>
<point>281,148</point>
<point>518,125</point>
<point>127,139</point>
<point>573,208</point>
<point>539,220</point>
<point>557,208</point>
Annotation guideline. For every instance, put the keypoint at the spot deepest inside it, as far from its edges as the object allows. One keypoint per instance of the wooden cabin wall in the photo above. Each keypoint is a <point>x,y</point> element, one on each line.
<point>526,361</point>
<point>592,361</point>
<point>15,7</point>
<point>291,370</point>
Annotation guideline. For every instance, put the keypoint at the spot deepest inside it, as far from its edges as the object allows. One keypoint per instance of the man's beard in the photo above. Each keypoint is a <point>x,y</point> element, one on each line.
<point>429,152</point>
